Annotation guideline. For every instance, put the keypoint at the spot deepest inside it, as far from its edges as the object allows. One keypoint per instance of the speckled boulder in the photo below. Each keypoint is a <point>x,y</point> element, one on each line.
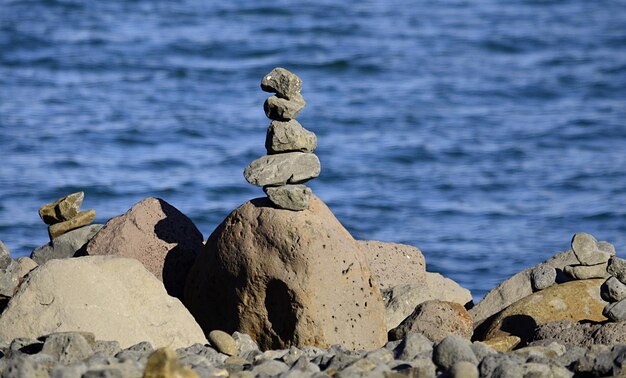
<point>394,264</point>
<point>286,278</point>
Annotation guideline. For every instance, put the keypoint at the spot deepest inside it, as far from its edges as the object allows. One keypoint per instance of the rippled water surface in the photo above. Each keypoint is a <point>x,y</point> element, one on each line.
<point>484,132</point>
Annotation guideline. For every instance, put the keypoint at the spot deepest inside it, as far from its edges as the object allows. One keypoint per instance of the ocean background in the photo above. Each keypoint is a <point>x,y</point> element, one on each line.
<point>484,132</point>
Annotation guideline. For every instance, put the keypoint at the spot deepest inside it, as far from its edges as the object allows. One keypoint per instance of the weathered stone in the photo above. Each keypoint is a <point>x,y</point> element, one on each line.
<point>612,290</point>
<point>282,82</point>
<point>65,245</point>
<point>289,136</point>
<point>281,109</point>
<point>503,343</point>
<point>463,369</point>
<point>585,272</point>
<point>414,346</point>
<point>566,332</point>
<point>163,363</point>
<point>285,279</point>
<point>395,264</point>
<point>154,232</point>
<point>107,348</point>
<point>282,169</point>
<point>5,256</point>
<point>63,209</point>
<point>223,342</point>
<point>67,347</point>
<point>25,367</point>
<point>542,276</point>
<point>114,298</point>
<point>9,279</point>
<point>24,266</point>
<point>611,334</point>
<point>289,197</point>
<point>270,368</point>
<point>244,343</point>
<point>453,349</point>
<point>401,300</point>
<point>81,219</point>
<point>617,268</point>
<point>575,300</point>
<point>588,251</point>
<point>616,311</point>
<point>436,320</point>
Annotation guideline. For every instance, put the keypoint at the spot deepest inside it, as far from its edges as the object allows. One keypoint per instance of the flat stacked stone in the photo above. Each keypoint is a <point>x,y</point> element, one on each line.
<point>290,160</point>
<point>613,290</point>
<point>593,256</point>
<point>64,214</point>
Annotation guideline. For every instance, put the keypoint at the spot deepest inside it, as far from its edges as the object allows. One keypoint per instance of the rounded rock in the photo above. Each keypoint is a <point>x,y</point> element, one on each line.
<point>542,276</point>
<point>223,342</point>
<point>453,349</point>
<point>612,290</point>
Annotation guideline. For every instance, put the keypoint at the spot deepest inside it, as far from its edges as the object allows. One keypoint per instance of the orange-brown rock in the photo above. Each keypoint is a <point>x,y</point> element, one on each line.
<point>394,264</point>
<point>286,278</point>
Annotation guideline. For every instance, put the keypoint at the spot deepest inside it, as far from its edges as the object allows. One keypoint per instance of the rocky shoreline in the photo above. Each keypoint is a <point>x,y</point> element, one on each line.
<point>281,289</point>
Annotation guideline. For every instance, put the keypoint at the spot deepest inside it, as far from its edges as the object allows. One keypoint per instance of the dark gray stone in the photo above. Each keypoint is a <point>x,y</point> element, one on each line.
<point>414,346</point>
<point>496,364</point>
<point>616,311</point>
<point>289,197</point>
<point>281,109</point>
<point>24,345</point>
<point>212,355</point>
<point>617,268</point>
<point>542,276</point>
<point>5,256</point>
<point>289,136</point>
<point>453,349</point>
<point>67,347</point>
<point>612,290</point>
<point>282,169</point>
<point>610,334</point>
<point>585,272</point>
<point>143,347</point>
<point>282,82</point>
<point>66,245</point>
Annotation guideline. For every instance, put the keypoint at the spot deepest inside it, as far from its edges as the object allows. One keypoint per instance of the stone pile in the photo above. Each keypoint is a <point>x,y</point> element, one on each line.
<point>64,215</point>
<point>613,290</point>
<point>593,256</point>
<point>290,160</point>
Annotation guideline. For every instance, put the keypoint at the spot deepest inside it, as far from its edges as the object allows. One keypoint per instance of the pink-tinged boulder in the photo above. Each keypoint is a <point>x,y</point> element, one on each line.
<point>286,278</point>
<point>154,232</point>
<point>394,264</point>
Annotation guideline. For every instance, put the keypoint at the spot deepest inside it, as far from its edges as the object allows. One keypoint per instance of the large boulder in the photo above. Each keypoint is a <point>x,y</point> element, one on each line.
<point>157,234</point>
<point>394,264</point>
<point>574,300</point>
<point>113,298</point>
<point>286,278</point>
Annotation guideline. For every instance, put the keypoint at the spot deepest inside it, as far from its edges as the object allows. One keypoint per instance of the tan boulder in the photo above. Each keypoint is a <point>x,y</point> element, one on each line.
<point>436,320</point>
<point>394,264</point>
<point>113,298</point>
<point>286,278</point>
<point>157,234</point>
<point>574,300</point>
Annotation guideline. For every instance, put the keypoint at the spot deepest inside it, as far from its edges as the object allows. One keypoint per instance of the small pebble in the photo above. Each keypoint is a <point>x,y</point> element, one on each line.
<point>223,342</point>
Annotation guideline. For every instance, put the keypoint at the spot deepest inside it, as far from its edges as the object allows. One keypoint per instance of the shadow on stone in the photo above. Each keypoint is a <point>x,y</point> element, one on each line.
<point>279,302</point>
<point>522,326</point>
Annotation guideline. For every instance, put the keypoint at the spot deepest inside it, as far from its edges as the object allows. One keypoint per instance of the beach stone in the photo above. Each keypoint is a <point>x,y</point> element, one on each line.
<point>289,197</point>
<point>114,298</point>
<point>463,369</point>
<point>282,82</point>
<point>65,245</point>
<point>394,264</point>
<point>588,251</point>
<point>223,342</point>
<point>451,350</point>
<point>515,288</point>
<point>436,320</point>
<point>585,272</point>
<point>154,232</point>
<point>67,347</point>
<point>616,311</point>
<point>482,350</point>
<point>282,169</point>
<point>9,279</point>
<point>542,276</point>
<point>81,219</point>
<point>289,136</point>
<point>5,256</point>
<point>503,343</point>
<point>566,332</point>
<point>401,300</point>
<point>107,348</point>
<point>574,300</point>
<point>281,109</point>
<point>25,367</point>
<point>244,343</point>
<point>270,368</point>
<point>164,363</point>
<point>63,209</point>
<point>617,268</point>
<point>303,278</point>
<point>413,346</point>
<point>24,266</point>
<point>612,290</point>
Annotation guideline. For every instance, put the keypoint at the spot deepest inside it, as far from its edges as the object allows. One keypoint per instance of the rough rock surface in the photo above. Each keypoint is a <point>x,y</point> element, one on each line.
<point>289,136</point>
<point>5,256</point>
<point>542,276</point>
<point>81,219</point>
<point>289,197</point>
<point>63,209</point>
<point>575,300</point>
<point>436,320</point>
<point>616,311</point>
<point>612,290</point>
<point>113,298</point>
<point>157,234</point>
<point>585,272</point>
<point>65,245</point>
<point>281,109</point>
<point>286,278</point>
<point>570,333</point>
<point>164,363</point>
<point>282,82</point>
<point>589,251</point>
<point>617,268</point>
<point>282,169</point>
<point>394,264</point>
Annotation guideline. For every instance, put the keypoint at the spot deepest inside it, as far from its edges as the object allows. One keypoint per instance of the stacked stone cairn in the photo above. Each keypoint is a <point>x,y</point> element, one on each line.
<point>593,256</point>
<point>64,215</point>
<point>290,160</point>
<point>613,290</point>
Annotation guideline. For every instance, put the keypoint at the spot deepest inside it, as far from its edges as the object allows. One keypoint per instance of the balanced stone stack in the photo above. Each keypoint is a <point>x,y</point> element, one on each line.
<point>290,160</point>
<point>64,214</point>
<point>613,290</point>
<point>593,256</point>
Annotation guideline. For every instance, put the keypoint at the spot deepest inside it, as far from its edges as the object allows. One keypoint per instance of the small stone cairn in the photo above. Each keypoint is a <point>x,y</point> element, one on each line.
<point>613,290</point>
<point>290,160</point>
<point>64,215</point>
<point>593,256</point>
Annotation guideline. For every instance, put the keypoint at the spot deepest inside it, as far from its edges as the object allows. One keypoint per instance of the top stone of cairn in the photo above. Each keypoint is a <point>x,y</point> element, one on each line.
<point>282,82</point>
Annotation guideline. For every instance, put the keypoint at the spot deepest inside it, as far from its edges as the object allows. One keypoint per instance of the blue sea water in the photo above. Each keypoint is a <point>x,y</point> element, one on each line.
<point>484,132</point>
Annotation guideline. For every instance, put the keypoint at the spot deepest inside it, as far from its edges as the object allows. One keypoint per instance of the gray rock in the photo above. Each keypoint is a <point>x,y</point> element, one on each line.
<point>66,245</point>
<point>108,348</point>
<point>463,369</point>
<point>223,342</point>
<point>616,311</point>
<point>142,347</point>
<point>289,197</point>
<point>9,279</point>
<point>571,356</point>
<point>63,209</point>
<point>612,290</point>
<point>67,347</point>
<point>25,367</point>
<point>566,332</point>
<point>542,276</point>
<point>304,365</point>
<point>289,136</point>
<point>5,256</point>
<point>270,368</point>
<point>617,268</point>
<point>293,354</point>
<point>603,363</point>
<point>482,350</point>
<point>282,82</point>
<point>611,334</point>
<point>282,169</point>
<point>244,343</point>
<point>414,346</point>
<point>103,373</point>
<point>281,109</point>
<point>212,355</point>
<point>585,272</point>
<point>423,368</point>
<point>312,352</point>
<point>71,371</point>
<point>451,350</point>
<point>588,251</point>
